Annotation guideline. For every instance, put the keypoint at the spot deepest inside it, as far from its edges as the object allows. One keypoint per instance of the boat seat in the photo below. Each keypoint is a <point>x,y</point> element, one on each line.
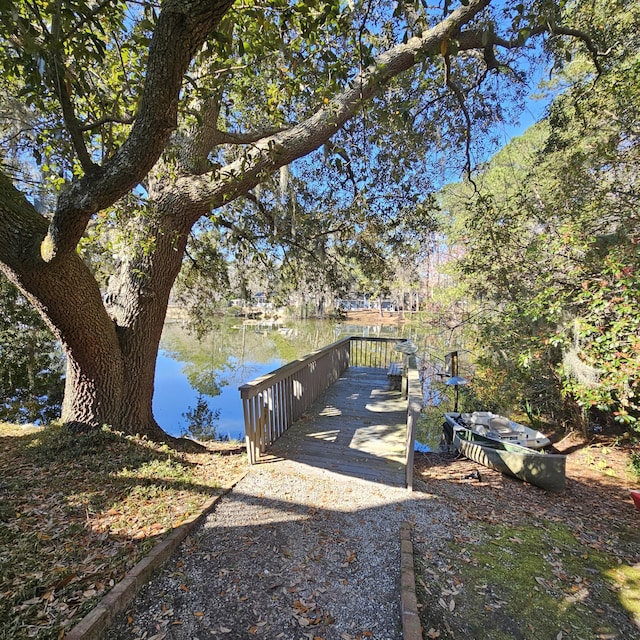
<point>485,422</point>
<point>500,424</point>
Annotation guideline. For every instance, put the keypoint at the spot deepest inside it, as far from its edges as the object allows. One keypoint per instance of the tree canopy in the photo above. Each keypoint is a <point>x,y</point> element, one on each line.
<point>126,124</point>
<point>551,242</point>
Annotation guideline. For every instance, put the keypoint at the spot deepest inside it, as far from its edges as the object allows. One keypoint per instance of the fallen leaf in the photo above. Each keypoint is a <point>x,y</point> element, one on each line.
<point>198,614</point>
<point>433,634</point>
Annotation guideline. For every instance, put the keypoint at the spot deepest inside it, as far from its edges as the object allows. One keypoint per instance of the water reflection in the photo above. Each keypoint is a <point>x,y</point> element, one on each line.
<point>197,381</point>
<point>234,353</point>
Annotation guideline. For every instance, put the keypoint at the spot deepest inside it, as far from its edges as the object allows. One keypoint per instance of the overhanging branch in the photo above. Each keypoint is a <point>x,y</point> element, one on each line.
<point>181,29</point>
<point>272,152</point>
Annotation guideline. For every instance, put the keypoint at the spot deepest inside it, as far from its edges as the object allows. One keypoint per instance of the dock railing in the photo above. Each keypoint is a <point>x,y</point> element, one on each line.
<point>273,402</point>
<point>413,387</point>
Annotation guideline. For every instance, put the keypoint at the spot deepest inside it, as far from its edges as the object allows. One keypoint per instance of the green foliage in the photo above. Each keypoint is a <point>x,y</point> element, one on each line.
<point>608,335</point>
<point>31,363</point>
<point>635,462</point>
<point>247,91</point>
<point>54,51</point>
<point>551,244</point>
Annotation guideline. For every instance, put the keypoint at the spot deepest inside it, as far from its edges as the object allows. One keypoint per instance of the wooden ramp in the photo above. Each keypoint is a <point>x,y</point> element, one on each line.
<point>357,428</point>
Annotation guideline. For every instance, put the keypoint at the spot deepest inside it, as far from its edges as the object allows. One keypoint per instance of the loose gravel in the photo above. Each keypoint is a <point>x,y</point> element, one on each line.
<point>291,553</point>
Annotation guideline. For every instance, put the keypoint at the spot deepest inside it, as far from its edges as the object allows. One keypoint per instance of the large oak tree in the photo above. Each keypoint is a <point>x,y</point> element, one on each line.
<point>145,118</point>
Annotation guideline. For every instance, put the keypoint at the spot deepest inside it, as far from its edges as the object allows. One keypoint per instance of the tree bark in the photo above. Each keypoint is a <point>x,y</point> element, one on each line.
<point>112,344</point>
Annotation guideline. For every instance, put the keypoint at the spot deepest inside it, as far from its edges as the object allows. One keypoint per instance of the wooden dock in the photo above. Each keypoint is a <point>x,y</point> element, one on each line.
<point>358,428</point>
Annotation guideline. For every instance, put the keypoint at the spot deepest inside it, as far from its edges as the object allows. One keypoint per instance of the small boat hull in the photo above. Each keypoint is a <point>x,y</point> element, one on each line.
<point>496,427</point>
<point>545,470</point>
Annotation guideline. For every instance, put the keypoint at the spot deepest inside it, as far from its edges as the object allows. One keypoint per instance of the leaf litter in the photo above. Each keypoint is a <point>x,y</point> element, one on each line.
<point>78,511</point>
<point>575,556</point>
<point>323,561</point>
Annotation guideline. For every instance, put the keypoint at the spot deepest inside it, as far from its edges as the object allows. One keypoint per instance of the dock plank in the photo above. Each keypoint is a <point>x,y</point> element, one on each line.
<point>358,428</point>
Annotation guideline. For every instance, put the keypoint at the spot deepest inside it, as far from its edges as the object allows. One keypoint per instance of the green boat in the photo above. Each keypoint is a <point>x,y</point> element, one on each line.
<point>545,470</point>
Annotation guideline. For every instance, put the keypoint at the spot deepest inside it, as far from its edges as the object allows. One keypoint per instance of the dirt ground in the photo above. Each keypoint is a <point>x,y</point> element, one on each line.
<point>598,479</point>
<point>576,554</point>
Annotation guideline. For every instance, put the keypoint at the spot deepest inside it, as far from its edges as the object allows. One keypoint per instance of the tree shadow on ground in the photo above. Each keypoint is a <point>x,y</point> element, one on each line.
<point>78,510</point>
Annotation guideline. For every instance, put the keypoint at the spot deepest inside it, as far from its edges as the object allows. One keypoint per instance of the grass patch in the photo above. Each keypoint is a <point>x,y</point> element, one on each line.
<point>535,581</point>
<point>78,511</point>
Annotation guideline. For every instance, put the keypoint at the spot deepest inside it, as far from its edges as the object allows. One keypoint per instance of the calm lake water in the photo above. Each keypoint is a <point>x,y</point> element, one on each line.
<point>232,354</point>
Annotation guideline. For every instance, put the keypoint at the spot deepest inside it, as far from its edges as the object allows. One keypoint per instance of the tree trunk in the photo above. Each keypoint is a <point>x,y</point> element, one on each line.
<point>111,345</point>
<point>110,365</point>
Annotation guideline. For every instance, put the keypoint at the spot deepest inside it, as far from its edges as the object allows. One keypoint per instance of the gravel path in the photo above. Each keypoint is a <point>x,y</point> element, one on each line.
<point>290,553</point>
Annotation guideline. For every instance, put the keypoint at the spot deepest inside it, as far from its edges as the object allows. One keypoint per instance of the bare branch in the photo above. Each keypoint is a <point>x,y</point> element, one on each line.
<point>586,40</point>
<point>247,137</point>
<point>110,119</point>
<point>488,40</point>
<point>272,152</point>
<point>459,95</point>
<point>62,89</point>
<point>180,31</point>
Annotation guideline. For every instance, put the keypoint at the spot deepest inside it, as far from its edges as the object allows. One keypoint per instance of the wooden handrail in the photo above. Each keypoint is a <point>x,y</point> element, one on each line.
<point>414,407</point>
<point>273,402</point>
